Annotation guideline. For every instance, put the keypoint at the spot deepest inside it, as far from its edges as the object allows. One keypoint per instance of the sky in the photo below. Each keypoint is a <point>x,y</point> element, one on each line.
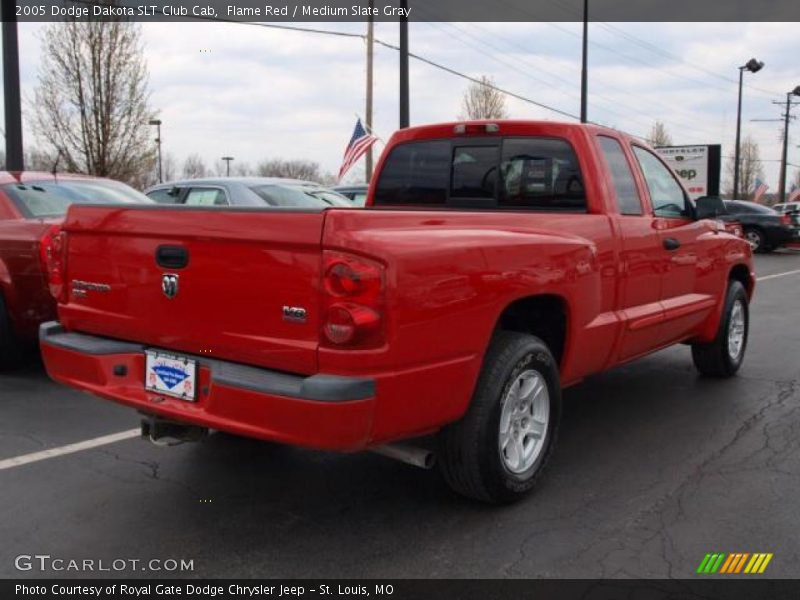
<point>258,93</point>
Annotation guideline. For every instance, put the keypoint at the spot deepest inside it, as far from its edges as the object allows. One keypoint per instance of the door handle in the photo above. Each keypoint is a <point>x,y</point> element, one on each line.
<point>671,244</point>
<point>172,257</point>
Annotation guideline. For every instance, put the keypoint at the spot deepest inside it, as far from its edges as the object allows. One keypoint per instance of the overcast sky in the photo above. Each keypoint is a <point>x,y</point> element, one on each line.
<point>256,93</point>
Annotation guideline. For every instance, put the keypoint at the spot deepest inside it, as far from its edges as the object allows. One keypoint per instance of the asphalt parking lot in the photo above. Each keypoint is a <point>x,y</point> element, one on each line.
<point>655,468</point>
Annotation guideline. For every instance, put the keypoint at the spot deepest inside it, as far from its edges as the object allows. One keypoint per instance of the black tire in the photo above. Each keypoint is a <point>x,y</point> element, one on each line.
<point>757,239</point>
<point>469,450</point>
<point>6,337</point>
<point>714,359</point>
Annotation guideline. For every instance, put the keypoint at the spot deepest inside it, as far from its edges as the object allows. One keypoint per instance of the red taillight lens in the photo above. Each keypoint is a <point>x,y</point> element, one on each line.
<point>52,249</point>
<point>353,300</point>
<point>786,220</point>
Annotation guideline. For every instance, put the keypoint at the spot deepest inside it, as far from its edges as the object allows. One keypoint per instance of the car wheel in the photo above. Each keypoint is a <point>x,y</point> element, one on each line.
<point>6,336</point>
<point>498,451</point>
<point>756,239</point>
<point>724,356</point>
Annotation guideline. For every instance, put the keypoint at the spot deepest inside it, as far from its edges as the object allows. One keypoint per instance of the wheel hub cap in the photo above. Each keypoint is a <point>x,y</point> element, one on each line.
<point>523,421</point>
<point>736,330</point>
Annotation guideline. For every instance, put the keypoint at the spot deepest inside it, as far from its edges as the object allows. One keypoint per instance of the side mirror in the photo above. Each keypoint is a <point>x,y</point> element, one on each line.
<point>709,207</point>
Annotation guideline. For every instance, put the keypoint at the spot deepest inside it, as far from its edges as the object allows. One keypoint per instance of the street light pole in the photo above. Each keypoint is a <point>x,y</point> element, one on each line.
<point>753,66</point>
<point>585,64</point>
<point>227,160</point>
<point>785,154</point>
<point>157,123</point>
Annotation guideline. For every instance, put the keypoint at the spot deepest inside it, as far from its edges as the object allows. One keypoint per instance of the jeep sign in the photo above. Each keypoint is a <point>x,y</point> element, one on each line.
<point>697,166</point>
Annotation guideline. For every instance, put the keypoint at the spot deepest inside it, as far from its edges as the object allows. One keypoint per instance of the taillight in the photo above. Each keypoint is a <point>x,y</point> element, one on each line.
<point>786,220</point>
<point>353,289</point>
<point>53,253</point>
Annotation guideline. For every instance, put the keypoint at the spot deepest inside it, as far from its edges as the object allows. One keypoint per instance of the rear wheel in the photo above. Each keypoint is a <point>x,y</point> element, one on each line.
<point>497,452</point>
<point>756,239</point>
<point>724,356</point>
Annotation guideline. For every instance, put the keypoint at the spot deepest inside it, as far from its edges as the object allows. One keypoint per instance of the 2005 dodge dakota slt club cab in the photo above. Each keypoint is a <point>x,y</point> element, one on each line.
<point>495,264</point>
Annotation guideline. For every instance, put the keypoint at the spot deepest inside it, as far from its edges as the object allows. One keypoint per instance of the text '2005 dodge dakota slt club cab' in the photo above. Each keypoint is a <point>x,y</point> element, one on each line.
<point>495,264</point>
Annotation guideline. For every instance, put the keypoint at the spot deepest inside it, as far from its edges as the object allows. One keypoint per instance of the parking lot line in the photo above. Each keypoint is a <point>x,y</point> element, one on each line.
<point>776,275</point>
<point>25,459</point>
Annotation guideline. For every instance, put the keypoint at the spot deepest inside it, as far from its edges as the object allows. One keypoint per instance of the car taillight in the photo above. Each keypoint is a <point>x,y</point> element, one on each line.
<point>53,253</point>
<point>786,220</point>
<point>353,290</point>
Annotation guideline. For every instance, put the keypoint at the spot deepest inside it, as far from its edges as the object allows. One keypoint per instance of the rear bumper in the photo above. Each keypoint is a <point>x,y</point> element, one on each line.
<point>320,411</point>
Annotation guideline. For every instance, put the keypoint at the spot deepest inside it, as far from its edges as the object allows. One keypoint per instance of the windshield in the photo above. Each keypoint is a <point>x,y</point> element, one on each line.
<point>40,199</point>
<point>291,196</point>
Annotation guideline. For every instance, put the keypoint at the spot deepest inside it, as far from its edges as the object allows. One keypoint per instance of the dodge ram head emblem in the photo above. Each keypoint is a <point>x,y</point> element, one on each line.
<point>169,285</point>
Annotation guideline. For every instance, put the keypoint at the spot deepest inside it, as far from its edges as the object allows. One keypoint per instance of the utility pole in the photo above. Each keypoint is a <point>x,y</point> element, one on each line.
<point>785,154</point>
<point>585,65</point>
<point>404,111</point>
<point>13,105</point>
<point>368,112</point>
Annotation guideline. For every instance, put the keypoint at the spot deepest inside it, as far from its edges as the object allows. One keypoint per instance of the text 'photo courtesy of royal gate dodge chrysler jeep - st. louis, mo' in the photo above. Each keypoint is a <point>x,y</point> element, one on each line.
<point>495,264</point>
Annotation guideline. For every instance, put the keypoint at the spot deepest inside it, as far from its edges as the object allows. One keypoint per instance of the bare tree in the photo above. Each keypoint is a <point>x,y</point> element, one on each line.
<point>194,167</point>
<point>750,168</point>
<point>483,101</point>
<point>91,103</point>
<point>293,169</point>
<point>795,180</point>
<point>169,167</point>
<point>241,169</point>
<point>659,136</point>
<point>41,160</point>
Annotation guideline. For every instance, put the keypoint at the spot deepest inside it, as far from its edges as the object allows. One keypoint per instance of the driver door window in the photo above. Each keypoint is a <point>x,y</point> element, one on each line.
<point>666,194</point>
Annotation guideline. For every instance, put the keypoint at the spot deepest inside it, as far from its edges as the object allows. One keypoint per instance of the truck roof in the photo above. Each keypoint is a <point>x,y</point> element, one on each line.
<point>505,127</point>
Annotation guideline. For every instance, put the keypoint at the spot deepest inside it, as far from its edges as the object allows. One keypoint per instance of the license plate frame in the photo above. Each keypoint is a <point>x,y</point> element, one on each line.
<point>170,375</point>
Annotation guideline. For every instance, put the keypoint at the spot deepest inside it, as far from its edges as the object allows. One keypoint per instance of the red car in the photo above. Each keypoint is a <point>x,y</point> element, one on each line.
<point>32,206</point>
<point>495,264</point>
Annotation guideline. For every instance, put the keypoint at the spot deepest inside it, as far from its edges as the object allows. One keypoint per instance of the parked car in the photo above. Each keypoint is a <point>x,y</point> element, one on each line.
<point>247,191</point>
<point>763,227</point>
<point>501,262</point>
<point>32,206</point>
<point>357,193</point>
<point>787,208</point>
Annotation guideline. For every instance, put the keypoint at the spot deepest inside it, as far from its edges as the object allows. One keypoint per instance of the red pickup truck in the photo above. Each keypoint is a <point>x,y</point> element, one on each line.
<point>495,264</point>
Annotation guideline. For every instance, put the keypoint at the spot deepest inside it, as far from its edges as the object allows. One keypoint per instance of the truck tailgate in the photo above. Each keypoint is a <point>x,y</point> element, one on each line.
<point>248,277</point>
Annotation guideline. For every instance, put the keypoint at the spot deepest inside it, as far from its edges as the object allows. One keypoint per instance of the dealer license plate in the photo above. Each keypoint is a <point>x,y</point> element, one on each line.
<point>171,375</point>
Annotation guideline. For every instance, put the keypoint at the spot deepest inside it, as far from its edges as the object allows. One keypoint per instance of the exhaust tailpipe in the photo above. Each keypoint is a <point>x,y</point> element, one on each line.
<point>411,455</point>
<point>163,432</point>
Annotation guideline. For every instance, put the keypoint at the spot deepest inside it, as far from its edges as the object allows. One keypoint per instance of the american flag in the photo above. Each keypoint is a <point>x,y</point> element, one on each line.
<point>794,194</point>
<point>359,144</point>
<point>761,189</point>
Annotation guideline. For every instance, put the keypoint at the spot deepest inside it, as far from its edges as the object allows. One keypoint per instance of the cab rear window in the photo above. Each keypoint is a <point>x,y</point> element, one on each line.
<point>530,173</point>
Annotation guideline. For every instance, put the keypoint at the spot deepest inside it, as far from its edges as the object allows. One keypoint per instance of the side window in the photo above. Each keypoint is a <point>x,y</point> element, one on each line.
<point>540,173</point>
<point>206,197</point>
<point>415,173</point>
<point>628,201</point>
<point>165,195</point>
<point>666,194</point>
